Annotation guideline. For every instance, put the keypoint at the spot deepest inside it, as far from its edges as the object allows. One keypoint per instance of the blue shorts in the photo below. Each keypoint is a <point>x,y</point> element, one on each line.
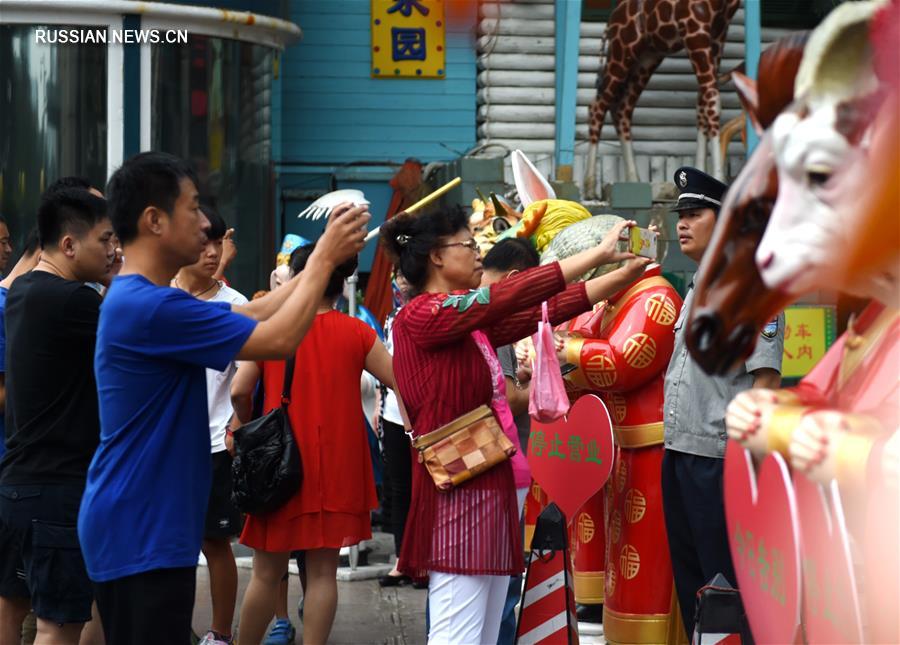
<point>40,556</point>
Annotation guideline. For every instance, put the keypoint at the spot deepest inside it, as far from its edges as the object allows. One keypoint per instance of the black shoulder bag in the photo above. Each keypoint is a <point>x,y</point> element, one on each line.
<point>267,470</point>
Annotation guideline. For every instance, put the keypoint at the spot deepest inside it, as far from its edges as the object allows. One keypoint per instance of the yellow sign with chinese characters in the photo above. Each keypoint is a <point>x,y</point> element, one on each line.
<point>408,39</point>
<point>808,333</point>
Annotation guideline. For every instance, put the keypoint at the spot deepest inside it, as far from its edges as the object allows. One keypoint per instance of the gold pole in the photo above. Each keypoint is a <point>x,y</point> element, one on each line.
<point>450,185</point>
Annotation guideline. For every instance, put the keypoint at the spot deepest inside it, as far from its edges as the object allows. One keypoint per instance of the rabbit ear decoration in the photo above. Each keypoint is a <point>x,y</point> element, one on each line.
<point>530,183</point>
<point>322,206</point>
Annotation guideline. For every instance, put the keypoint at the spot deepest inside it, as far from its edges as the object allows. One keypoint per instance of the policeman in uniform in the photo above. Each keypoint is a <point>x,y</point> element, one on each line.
<point>694,416</point>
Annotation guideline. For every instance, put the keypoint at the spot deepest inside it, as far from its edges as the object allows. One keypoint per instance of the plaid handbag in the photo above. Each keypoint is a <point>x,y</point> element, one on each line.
<point>464,448</point>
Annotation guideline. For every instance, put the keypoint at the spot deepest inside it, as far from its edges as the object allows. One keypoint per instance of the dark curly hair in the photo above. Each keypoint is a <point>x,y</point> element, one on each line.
<point>409,238</point>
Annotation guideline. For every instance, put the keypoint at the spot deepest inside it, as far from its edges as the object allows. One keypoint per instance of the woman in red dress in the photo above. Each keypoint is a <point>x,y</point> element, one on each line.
<point>467,540</point>
<point>332,507</point>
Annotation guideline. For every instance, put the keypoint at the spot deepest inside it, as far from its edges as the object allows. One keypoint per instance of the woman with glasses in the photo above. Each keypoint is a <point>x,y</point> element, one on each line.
<point>467,540</point>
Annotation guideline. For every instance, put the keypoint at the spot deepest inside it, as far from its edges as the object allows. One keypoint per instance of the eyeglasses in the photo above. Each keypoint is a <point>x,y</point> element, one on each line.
<point>472,244</point>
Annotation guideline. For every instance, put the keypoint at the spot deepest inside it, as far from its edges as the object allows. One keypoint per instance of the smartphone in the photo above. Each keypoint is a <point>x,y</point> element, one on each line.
<point>642,242</point>
<point>568,367</point>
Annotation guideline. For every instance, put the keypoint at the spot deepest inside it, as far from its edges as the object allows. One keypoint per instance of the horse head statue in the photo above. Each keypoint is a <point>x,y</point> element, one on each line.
<point>782,210</point>
<point>822,147</point>
<point>731,302</point>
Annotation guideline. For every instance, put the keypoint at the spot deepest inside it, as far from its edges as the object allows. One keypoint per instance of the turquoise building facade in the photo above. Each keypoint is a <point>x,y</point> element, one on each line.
<point>341,128</point>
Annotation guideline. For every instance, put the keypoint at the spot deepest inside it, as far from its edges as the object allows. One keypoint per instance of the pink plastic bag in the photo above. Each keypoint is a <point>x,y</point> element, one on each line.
<point>548,400</point>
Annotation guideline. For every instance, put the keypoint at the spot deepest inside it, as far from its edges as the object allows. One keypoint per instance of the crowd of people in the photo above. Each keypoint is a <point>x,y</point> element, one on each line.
<point>129,363</point>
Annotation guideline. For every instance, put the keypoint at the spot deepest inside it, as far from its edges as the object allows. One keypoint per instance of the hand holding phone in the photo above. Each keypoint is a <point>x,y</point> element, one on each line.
<point>643,242</point>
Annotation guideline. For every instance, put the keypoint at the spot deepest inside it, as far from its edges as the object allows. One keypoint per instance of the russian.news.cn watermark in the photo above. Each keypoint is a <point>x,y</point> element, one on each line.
<point>103,36</point>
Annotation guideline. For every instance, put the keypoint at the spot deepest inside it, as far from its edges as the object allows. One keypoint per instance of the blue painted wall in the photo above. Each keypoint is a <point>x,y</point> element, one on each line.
<point>334,112</point>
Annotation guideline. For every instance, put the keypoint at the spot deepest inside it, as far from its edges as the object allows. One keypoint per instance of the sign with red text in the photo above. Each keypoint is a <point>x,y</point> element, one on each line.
<point>809,330</point>
<point>763,534</point>
<point>571,458</point>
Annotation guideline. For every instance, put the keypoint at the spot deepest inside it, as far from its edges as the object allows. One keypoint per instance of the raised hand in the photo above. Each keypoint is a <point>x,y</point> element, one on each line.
<point>345,233</point>
<point>634,268</point>
<point>607,250</point>
<point>229,249</point>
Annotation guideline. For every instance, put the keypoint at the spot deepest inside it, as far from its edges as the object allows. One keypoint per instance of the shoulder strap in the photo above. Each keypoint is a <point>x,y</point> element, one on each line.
<point>288,381</point>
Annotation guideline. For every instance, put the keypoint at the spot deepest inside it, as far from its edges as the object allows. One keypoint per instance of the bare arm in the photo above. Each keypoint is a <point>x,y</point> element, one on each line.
<point>278,336</point>
<point>605,286</point>
<point>380,364</point>
<point>766,377</point>
<point>242,387</point>
<point>263,308</point>
<point>604,253</point>
<point>517,397</point>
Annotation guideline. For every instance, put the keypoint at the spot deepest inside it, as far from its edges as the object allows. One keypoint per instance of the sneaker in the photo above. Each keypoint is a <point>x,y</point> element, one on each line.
<point>282,633</point>
<point>212,638</point>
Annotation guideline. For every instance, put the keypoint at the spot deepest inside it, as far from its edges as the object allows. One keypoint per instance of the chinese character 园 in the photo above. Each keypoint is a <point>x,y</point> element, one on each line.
<point>405,7</point>
<point>408,43</point>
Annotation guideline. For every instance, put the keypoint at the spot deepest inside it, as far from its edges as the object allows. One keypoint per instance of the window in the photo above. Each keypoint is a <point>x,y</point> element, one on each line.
<point>211,105</point>
<point>52,119</point>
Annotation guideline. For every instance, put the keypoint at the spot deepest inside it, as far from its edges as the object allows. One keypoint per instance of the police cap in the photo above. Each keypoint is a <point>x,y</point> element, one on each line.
<point>698,190</point>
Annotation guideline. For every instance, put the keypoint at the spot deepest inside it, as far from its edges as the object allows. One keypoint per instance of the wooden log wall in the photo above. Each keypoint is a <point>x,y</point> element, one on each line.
<point>516,94</point>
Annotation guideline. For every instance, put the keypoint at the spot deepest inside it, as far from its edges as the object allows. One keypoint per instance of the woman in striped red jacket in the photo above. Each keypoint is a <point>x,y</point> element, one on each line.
<point>467,540</point>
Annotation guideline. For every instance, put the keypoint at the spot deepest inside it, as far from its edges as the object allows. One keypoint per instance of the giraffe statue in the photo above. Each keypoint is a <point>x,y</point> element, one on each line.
<point>639,35</point>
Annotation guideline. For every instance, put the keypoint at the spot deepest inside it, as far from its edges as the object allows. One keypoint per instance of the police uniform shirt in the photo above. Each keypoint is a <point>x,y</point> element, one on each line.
<point>695,402</point>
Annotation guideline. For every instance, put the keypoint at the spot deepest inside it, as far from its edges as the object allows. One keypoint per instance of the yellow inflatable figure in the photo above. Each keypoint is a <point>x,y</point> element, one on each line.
<point>544,219</point>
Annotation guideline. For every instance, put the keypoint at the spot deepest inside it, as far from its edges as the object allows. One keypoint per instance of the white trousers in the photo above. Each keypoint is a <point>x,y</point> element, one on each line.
<point>465,610</point>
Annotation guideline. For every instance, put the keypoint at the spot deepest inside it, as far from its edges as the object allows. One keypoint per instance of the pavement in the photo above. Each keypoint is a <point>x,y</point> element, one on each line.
<point>366,614</point>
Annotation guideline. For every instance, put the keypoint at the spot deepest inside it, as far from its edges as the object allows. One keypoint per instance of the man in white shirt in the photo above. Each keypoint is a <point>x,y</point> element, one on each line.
<point>223,520</point>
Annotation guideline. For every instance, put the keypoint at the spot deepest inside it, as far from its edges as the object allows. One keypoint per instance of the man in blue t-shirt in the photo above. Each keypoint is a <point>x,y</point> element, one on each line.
<point>142,515</point>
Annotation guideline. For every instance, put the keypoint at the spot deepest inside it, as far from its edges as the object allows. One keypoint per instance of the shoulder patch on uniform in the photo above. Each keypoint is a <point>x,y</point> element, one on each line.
<point>771,328</point>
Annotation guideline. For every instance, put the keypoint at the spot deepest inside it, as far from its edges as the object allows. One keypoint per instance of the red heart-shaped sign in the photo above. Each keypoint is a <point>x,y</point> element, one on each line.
<point>831,611</point>
<point>571,458</point>
<point>763,534</point>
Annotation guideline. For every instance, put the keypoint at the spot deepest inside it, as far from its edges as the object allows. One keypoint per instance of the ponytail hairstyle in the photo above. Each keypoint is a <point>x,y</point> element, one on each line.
<point>409,239</point>
<point>335,287</point>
